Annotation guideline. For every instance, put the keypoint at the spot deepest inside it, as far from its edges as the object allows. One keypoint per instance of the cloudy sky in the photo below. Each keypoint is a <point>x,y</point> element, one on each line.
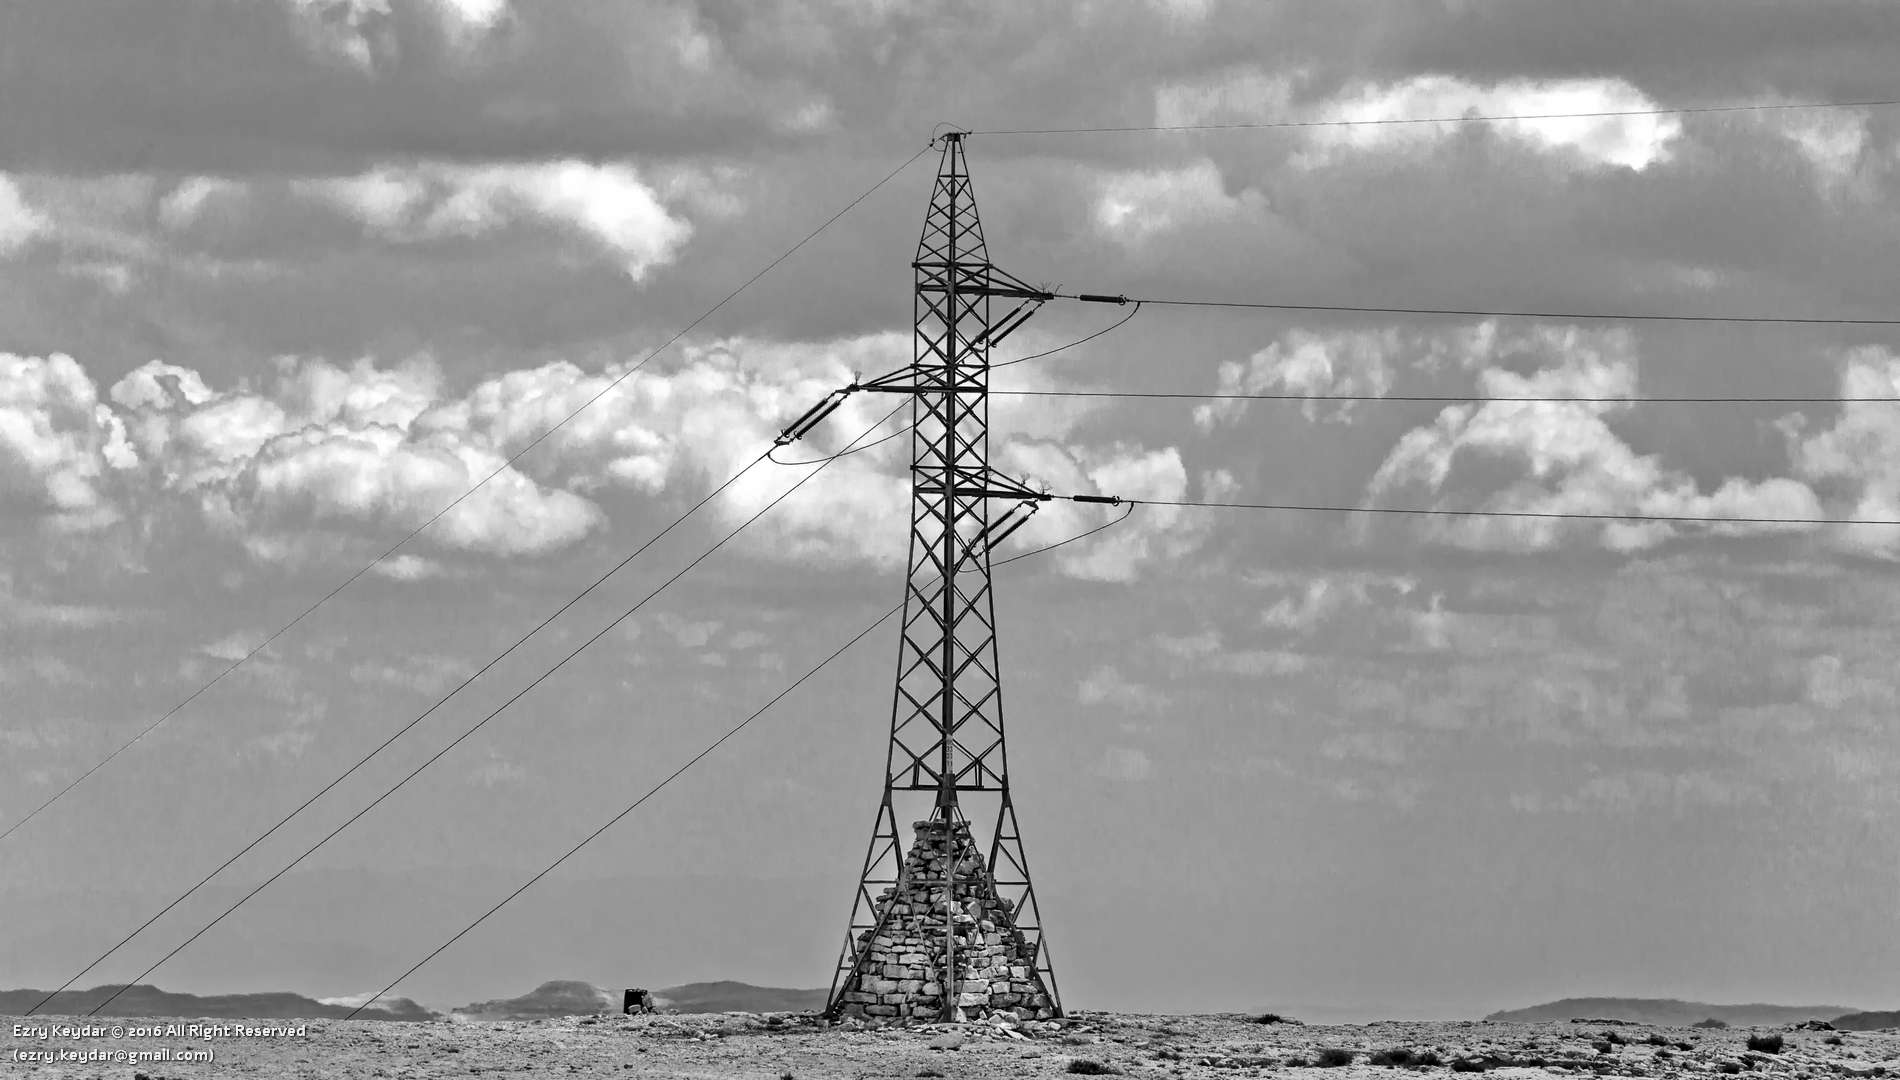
<point>281,278</point>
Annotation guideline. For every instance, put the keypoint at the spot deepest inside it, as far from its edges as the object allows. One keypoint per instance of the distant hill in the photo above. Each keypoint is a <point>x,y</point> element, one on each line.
<point>1668,1012</point>
<point>568,997</point>
<point>1867,1021</point>
<point>562,997</point>
<point>146,1000</point>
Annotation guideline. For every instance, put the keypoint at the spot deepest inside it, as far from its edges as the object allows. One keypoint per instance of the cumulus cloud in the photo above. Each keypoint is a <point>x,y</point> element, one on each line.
<point>193,197</point>
<point>475,14</point>
<point>1632,142</point>
<point>1358,362</point>
<point>703,422</point>
<point>1315,599</point>
<point>1189,646</point>
<point>334,447</point>
<point>366,33</point>
<point>609,205</point>
<point>1106,685</point>
<point>1833,142</point>
<point>59,444</point>
<point>1855,456</point>
<point>312,449</point>
<point>1133,206</point>
<point>1237,95</point>
<point>1150,534</point>
<point>382,199</point>
<point>359,32</point>
<point>336,473</point>
<point>1542,457</point>
<point>20,224</point>
<point>706,419</point>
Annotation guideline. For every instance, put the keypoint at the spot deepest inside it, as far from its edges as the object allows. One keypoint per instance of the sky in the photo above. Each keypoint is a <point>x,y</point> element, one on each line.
<point>279,279</point>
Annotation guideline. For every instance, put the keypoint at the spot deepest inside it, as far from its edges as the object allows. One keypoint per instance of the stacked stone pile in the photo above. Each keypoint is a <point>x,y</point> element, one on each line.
<point>902,974</point>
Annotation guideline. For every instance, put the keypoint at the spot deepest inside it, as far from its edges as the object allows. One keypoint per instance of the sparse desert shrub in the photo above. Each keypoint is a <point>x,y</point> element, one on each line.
<point>927,1071</point>
<point>1297,1063</point>
<point>1467,1065</point>
<point>1076,1040</point>
<point>1657,1038</point>
<point>786,1075</point>
<point>1832,1040</point>
<point>1427,1057</point>
<point>1169,1053</point>
<point>1711,1022</point>
<point>1613,1038</point>
<point>1332,1057</point>
<point>1685,1047</point>
<point>1663,1054</point>
<point>1089,1067</point>
<point>1603,1046</point>
<point>1396,1057</point>
<point>1765,1044</point>
<point>1731,1067</point>
<point>1269,1018</point>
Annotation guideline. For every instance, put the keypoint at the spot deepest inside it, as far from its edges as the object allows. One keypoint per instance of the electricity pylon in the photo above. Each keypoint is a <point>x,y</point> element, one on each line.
<point>951,925</point>
<point>947,712</point>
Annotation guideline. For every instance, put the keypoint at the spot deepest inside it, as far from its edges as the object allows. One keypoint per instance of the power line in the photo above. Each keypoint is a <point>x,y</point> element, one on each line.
<point>1567,316</point>
<point>1447,398</point>
<point>1080,341</point>
<point>773,453</point>
<point>690,762</point>
<point>399,732</point>
<point>538,439</point>
<point>1515,513</point>
<point>635,805</point>
<point>1060,543</point>
<point>538,680</point>
<point>1466,119</point>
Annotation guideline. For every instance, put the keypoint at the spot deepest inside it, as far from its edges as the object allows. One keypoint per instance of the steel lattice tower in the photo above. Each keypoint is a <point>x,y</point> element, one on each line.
<point>947,713</point>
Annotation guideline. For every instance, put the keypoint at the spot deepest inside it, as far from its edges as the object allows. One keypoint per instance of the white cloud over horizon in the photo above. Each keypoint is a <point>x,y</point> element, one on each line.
<point>371,451</point>
<point>1542,456</point>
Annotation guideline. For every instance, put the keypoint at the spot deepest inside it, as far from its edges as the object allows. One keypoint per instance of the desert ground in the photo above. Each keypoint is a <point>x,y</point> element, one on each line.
<point>774,1046</point>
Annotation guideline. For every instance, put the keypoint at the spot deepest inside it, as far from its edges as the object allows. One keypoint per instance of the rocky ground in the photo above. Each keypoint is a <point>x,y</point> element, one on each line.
<point>775,1046</point>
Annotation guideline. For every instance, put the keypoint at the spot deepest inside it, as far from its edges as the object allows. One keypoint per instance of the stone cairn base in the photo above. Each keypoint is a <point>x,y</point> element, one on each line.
<point>901,977</point>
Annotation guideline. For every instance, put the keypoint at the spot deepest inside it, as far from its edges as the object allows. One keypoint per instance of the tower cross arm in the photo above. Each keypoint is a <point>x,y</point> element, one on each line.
<point>977,279</point>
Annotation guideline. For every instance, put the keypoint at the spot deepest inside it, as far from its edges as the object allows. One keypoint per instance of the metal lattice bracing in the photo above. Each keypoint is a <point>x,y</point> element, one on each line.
<point>947,715</point>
